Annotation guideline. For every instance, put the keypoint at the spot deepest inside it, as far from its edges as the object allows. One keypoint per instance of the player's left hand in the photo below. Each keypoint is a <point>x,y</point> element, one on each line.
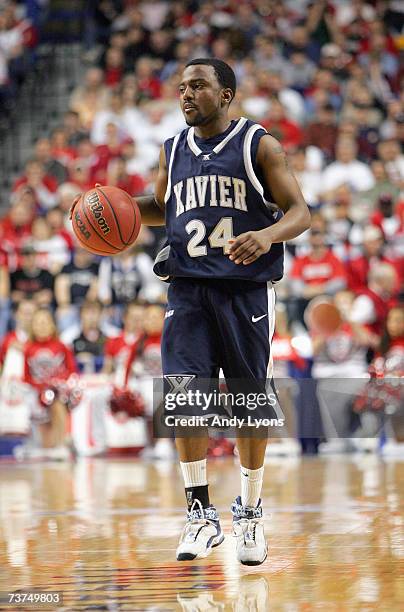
<point>247,247</point>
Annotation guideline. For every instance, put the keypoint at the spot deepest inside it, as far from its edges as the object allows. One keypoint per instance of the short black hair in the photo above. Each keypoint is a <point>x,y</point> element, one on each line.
<point>224,72</point>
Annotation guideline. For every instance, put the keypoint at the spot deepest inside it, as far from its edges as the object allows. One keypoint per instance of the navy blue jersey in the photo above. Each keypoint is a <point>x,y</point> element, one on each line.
<point>213,194</point>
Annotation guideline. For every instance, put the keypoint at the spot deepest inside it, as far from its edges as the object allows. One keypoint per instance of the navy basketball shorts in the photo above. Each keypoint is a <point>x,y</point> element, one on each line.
<point>219,324</point>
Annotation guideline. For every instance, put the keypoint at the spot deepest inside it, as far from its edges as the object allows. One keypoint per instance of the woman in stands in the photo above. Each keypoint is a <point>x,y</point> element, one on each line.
<point>48,364</point>
<point>392,342</point>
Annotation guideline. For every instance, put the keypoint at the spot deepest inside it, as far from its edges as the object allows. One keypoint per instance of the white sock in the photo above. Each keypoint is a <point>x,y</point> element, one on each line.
<point>194,473</point>
<point>251,485</point>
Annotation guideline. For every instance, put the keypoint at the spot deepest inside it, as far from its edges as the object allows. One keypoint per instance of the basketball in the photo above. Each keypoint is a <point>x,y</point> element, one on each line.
<point>106,220</point>
<point>323,317</point>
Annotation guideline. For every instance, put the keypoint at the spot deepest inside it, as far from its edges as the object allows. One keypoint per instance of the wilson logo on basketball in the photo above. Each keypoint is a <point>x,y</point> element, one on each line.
<point>82,226</point>
<point>97,209</point>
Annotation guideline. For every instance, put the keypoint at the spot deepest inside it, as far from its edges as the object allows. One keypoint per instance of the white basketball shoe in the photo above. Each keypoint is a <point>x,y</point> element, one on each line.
<point>248,529</point>
<point>201,533</point>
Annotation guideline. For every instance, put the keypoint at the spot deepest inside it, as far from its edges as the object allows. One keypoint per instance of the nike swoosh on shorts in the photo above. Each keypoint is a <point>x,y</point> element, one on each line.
<point>254,319</point>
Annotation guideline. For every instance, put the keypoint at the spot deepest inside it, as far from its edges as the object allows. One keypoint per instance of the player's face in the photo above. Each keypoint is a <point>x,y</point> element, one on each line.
<point>201,95</point>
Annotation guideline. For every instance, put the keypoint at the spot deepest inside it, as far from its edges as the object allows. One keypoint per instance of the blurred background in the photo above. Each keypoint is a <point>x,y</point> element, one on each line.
<point>88,93</point>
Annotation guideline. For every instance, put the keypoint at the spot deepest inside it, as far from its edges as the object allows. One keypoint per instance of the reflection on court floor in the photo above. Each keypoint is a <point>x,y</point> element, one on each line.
<point>104,533</point>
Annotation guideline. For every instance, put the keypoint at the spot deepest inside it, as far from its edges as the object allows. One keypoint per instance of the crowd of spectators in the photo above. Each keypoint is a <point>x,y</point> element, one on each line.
<point>18,40</point>
<point>325,78</point>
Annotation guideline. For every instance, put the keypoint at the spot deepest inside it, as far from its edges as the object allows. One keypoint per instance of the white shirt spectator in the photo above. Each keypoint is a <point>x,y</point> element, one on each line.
<point>71,333</point>
<point>130,122</point>
<point>9,40</point>
<point>355,174</point>
<point>310,182</point>
<point>53,253</point>
<point>154,14</point>
<point>256,106</point>
<point>395,169</point>
<point>293,103</point>
<point>145,158</point>
<point>363,311</point>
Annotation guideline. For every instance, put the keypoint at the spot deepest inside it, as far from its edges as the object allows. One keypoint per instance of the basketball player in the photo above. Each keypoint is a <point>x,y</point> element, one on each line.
<point>215,186</point>
<point>229,201</point>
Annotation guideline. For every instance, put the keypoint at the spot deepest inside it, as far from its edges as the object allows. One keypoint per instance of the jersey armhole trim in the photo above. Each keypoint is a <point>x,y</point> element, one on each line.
<point>247,158</point>
<point>170,165</point>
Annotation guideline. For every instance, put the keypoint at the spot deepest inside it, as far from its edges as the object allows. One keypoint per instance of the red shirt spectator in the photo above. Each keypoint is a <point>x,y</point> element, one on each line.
<point>117,351</point>
<point>45,356</point>
<point>132,184</point>
<point>318,273</point>
<point>400,215</point>
<point>148,84</point>
<point>12,234</point>
<point>371,307</point>
<point>323,131</point>
<point>43,186</point>
<point>114,65</point>
<point>315,270</point>
<point>3,258</point>
<point>118,177</point>
<point>16,227</point>
<point>47,181</point>
<point>105,153</point>
<point>145,357</point>
<point>282,128</point>
<point>55,218</point>
<point>358,269</point>
<point>46,360</point>
<point>80,174</point>
<point>112,149</point>
<point>61,150</point>
<point>387,217</point>
<point>19,337</point>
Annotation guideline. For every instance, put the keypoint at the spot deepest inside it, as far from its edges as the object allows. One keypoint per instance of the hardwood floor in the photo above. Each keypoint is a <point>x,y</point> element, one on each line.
<point>104,532</point>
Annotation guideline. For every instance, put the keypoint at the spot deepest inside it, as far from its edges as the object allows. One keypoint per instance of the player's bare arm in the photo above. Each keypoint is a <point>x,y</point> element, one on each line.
<point>280,181</point>
<point>152,208</point>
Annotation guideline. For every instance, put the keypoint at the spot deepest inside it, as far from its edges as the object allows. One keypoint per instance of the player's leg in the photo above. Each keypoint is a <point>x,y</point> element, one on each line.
<point>189,350</point>
<point>192,450</point>
<point>246,330</point>
<point>202,531</point>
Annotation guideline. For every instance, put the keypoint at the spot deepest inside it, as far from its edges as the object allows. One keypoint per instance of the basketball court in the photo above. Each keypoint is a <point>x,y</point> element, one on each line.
<point>103,532</point>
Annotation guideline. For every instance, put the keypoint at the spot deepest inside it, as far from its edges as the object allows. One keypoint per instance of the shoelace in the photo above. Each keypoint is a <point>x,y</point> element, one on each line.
<point>249,533</point>
<point>197,518</point>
